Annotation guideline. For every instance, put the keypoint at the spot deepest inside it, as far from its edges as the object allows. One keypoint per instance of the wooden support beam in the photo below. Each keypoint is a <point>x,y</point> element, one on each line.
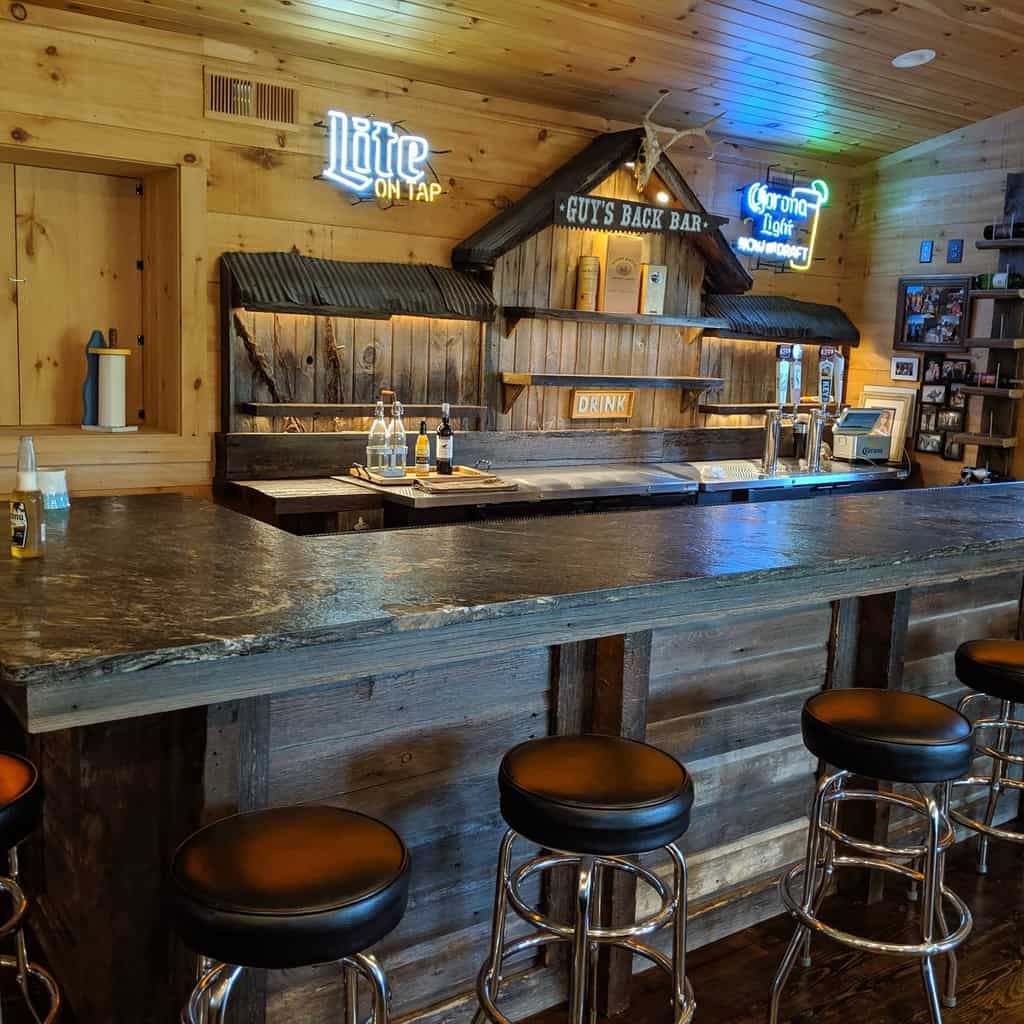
<point>874,659</point>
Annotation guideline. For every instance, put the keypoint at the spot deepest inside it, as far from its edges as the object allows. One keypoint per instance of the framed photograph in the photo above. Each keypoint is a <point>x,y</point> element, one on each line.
<point>905,368</point>
<point>955,250</point>
<point>954,451</point>
<point>957,399</point>
<point>955,371</point>
<point>925,253</point>
<point>934,394</point>
<point>930,443</point>
<point>951,419</point>
<point>932,312</point>
<point>933,369</point>
<point>986,380</point>
<point>903,403</point>
<point>929,418</point>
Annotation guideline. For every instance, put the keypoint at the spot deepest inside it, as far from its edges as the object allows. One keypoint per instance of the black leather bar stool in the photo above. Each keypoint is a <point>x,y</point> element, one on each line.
<point>592,802</point>
<point>20,806</point>
<point>896,737</point>
<point>994,668</point>
<point>288,887</point>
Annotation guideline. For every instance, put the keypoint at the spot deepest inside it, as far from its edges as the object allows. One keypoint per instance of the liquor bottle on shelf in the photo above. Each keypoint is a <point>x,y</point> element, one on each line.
<point>422,451</point>
<point>445,438</point>
<point>378,443</point>
<point>1002,232</point>
<point>399,447</point>
<point>28,522</point>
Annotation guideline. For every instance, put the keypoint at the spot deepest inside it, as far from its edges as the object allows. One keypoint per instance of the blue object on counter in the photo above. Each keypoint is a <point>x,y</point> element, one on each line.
<point>53,483</point>
<point>91,386</point>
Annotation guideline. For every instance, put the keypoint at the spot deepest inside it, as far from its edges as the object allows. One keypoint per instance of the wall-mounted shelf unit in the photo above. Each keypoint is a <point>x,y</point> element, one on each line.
<point>513,384</point>
<point>1000,243</point>
<point>345,410</point>
<point>1007,343</point>
<point>985,440</point>
<point>995,293</point>
<point>513,314</point>
<point>1011,393</point>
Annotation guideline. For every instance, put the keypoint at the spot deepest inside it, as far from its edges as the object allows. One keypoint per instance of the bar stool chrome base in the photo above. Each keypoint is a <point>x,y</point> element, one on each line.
<point>19,963</point>
<point>822,860</point>
<point>586,938</point>
<point>208,1003</point>
<point>999,781</point>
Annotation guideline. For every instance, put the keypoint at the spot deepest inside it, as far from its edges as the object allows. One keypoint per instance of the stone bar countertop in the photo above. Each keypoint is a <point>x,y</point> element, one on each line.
<point>146,604</point>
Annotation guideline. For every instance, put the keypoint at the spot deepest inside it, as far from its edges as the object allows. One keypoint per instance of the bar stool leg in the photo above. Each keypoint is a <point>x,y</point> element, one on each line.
<point>995,786</point>
<point>831,810</point>
<point>581,939</point>
<point>221,993</point>
<point>369,966</point>
<point>596,897</point>
<point>932,896</point>
<point>498,920</point>
<point>949,999</point>
<point>351,995</point>
<point>810,894</point>
<point>679,997</point>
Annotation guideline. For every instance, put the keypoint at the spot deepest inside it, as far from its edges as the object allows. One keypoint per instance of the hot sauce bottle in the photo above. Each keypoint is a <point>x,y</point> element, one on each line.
<point>28,522</point>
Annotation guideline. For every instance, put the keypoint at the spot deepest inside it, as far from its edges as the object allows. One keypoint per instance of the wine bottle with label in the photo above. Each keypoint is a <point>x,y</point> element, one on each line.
<point>445,439</point>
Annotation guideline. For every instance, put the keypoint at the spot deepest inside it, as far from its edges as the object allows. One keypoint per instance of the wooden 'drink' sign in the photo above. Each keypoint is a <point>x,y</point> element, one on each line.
<point>603,404</point>
<point>597,214</point>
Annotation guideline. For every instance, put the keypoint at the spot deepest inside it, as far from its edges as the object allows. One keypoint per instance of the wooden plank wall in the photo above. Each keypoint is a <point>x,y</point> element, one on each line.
<point>340,359</point>
<point>73,84</point>
<point>948,187</point>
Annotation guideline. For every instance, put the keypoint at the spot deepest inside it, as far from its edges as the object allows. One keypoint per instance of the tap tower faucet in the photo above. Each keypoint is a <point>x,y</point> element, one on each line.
<point>788,391</point>
<point>830,390</point>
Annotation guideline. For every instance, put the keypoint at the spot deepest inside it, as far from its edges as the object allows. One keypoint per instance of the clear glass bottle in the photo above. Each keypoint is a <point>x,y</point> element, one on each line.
<point>28,517</point>
<point>399,445</point>
<point>378,443</point>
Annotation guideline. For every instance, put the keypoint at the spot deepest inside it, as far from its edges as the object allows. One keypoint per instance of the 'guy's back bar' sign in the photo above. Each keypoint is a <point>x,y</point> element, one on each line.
<point>597,214</point>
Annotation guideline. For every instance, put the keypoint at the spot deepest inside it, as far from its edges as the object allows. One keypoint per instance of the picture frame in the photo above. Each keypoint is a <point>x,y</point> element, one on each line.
<point>951,420</point>
<point>933,369</point>
<point>903,403</point>
<point>955,371</point>
<point>906,368</point>
<point>929,443</point>
<point>957,399</point>
<point>934,394</point>
<point>953,451</point>
<point>924,254</point>
<point>929,418</point>
<point>955,250</point>
<point>932,312</point>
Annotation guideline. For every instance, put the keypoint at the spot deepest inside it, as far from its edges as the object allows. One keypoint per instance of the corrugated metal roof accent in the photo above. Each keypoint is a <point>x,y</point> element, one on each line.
<point>774,318</point>
<point>293,283</point>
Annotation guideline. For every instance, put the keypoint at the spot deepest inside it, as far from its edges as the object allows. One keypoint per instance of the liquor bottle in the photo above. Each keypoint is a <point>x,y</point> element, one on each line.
<point>423,451</point>
<point>1001,232</point>
<point>399,447</point>
<point>378,442</point>
<point>445,437</point>
<point>28,523</point>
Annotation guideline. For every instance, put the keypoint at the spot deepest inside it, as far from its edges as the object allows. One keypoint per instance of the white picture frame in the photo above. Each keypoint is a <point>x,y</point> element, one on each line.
<point>902,401</point>
<point>906,368</point>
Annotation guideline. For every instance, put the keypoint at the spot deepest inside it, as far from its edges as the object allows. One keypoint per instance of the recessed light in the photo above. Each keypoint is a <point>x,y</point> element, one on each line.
<point>913,58</point>
<point>663,198</point>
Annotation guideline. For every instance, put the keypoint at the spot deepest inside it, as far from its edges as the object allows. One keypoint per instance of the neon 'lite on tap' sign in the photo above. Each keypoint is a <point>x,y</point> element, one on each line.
<point>779,214</point>
<point>366,155</point>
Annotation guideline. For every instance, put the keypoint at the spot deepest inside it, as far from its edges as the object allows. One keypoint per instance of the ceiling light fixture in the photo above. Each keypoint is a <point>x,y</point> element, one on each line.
<point>663,198</point>
<point>913,59</point>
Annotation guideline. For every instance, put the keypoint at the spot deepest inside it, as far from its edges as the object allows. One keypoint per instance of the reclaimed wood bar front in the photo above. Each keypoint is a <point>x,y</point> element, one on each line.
<point>172,661</point>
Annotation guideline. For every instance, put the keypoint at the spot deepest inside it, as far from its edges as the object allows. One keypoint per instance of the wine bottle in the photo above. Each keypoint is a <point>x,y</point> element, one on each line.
<point>445,438</point>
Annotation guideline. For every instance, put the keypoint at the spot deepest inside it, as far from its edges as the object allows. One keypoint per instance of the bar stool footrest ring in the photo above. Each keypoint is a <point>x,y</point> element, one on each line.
<point>491,1011</point>
<point>42,975</point>
<point>921,949</point>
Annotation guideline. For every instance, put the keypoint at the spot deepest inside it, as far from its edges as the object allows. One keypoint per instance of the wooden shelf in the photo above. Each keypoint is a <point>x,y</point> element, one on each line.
<point>999,243</point>
<point>513,384</point>
<point>985,440</point>
<point>333,409</point>
<point>970,389</point>
<point>995,343</point>
<point>995,293</point>
<point>747,408</point>
<point>513,314</point>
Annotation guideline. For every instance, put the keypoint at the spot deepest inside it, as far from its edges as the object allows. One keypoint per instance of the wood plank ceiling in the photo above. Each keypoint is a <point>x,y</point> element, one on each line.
<point>811,75</point>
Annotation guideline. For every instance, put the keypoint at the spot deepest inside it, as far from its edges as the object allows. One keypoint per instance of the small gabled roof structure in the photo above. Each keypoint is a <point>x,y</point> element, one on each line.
<point>724,272</point>
<point>775,318</point>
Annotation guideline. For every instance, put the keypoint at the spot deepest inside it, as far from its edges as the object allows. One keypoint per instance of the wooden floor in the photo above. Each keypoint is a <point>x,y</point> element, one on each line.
<point>732,978</point>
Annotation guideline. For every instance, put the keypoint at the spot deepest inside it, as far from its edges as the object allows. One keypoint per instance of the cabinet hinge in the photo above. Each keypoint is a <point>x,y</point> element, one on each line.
<point>141,339</point>
<point>139,264</point>
<point>140,189</point>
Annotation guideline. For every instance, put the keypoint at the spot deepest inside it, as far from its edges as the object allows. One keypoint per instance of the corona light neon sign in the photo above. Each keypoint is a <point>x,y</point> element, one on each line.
<point>370,156</point>
<point>779,214</point>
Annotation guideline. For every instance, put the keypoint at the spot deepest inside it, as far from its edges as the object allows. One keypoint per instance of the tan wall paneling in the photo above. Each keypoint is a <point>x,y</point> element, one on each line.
<point>948,187</point>
<point>79,237</point>
<point>9,407</point>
